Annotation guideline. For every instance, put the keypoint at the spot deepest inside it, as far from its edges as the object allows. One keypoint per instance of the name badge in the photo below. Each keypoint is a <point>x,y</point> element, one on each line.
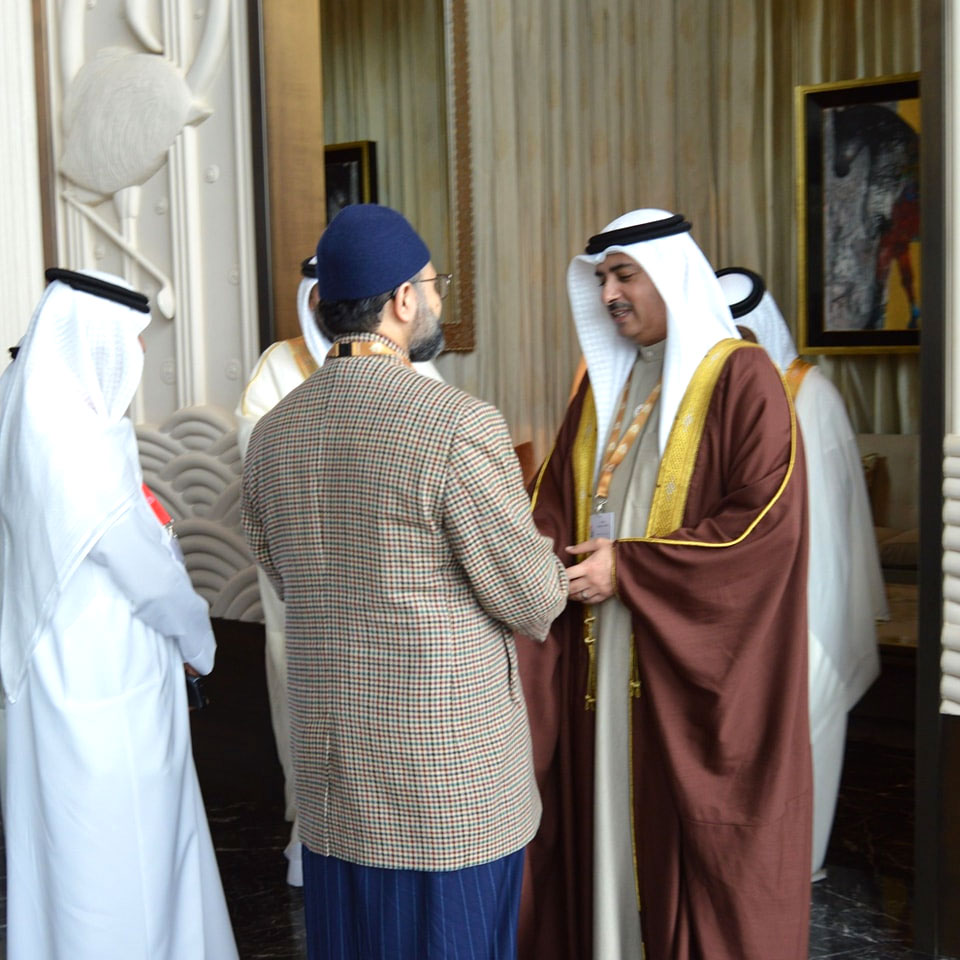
<point>602,525</point>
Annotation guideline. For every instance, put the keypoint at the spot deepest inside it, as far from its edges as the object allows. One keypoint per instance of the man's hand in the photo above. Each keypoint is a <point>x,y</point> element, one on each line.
<point>592,580</point>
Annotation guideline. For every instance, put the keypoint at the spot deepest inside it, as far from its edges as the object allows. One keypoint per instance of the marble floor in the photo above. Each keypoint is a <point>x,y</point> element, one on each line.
<point>861,910</point>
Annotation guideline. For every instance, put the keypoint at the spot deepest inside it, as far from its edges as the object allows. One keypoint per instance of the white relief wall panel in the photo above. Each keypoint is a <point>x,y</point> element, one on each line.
<point>150,108</point>
<point>21,247</point>
<point>149,105</point>
<point>192,463</point>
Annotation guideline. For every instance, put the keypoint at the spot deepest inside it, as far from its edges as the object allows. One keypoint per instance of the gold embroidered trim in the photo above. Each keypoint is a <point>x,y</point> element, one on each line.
<point>794,375</point>
<point>679,457</point>
<point>584,447</point>
<point>634,695</point>
<point>590,642</point>
<point>540,475</point>
<point>584,453</point>
<point>303,357</point>
<point>766,509</point>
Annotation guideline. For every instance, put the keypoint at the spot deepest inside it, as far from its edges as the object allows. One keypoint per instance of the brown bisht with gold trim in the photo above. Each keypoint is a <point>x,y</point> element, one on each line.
<point>720,740</point>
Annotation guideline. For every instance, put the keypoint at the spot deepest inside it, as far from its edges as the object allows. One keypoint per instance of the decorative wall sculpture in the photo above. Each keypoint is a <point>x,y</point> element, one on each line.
<point>192,463</point>
<point>147,107</point>
<point>122,112</point>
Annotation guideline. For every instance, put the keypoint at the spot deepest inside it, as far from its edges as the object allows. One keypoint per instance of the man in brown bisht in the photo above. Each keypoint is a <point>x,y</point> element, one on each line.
<point>669,704</point>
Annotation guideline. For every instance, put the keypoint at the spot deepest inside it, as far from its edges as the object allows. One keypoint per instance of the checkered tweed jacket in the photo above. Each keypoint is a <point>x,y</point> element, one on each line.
<point>389,511</point>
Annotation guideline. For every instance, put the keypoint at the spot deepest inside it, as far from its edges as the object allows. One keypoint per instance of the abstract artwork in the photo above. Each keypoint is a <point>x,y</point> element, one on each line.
<point>858,215</point>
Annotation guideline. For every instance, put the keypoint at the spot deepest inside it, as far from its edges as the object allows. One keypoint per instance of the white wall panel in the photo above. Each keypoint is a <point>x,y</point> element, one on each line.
<point>187,241</point>
<point>21,251</point>
<point>150,124</point>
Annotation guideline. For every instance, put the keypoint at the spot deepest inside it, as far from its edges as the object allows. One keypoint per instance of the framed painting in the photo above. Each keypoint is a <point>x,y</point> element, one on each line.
<point>350,174</point>
<point>858,215</point>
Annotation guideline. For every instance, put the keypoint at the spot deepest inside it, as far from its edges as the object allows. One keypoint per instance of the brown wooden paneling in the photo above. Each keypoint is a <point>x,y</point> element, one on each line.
<point>294,131</point>
<point>935,916</point>
<point>948,886</point>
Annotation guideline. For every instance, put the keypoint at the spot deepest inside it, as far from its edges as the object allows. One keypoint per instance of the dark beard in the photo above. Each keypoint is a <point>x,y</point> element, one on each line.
<point>428,348</point>
<point>425,346</point>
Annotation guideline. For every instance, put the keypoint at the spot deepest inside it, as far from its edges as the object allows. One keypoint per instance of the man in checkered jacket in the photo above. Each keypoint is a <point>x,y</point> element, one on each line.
<point>389,512</point>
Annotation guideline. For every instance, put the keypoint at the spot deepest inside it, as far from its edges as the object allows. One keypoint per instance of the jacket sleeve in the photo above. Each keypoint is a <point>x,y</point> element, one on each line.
<point>552,490</point>
<point>511,568</point>
<point>137,552</point>
<point>251,518</point>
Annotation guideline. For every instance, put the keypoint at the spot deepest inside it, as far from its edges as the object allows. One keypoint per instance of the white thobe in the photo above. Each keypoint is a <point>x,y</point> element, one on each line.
<point>109,855</point>
<point>616,916</point>
<point>845,593</point>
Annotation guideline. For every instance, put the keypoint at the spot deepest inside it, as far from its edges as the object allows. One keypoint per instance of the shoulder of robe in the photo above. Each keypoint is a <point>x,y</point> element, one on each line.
<point>750,368</point>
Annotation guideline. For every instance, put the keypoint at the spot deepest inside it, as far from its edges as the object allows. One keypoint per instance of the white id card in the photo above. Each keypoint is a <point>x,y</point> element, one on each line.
<point>602,525</point>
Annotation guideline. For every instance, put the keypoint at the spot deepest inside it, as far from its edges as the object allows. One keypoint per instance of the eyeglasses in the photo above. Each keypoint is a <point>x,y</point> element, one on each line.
<point>441,283</point>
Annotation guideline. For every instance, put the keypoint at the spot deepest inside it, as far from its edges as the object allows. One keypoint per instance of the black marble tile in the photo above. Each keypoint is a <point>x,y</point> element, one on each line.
<point>863,908</point>
<point>267,914</point>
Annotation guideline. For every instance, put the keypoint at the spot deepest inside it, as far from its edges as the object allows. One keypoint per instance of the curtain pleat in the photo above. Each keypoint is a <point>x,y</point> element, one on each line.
<point>584,109</point>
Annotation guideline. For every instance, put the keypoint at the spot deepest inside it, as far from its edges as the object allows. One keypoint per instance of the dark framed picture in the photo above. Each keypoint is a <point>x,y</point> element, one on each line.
<point>858,215</point>
<point>350,174</point>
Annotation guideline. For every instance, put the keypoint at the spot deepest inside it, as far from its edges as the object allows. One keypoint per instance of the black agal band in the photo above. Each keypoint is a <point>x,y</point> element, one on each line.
<point>637,234</point>
<point>308,269</point>
<point>750,302</point>
<point>99,288</point>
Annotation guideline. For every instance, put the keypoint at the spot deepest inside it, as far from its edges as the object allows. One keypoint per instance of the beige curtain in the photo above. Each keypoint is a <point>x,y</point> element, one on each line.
<point>383,80</point>
<point>583,109</point>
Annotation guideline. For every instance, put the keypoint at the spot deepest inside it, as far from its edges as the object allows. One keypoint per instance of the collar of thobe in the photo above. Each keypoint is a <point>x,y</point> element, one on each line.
<point>368,345</point>
<point>654,352</point>
<point>697,314</point>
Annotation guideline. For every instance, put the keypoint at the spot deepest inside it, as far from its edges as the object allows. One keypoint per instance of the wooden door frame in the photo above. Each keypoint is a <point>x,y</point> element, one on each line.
<point>937,805</point>
<point>288,158</point>
<point>287,125</point>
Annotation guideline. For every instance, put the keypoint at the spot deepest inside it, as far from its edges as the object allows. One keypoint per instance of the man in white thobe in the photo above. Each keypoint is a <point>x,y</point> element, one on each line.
<point>845,593</point>
<point>283,366</point>
<point>109,855</point>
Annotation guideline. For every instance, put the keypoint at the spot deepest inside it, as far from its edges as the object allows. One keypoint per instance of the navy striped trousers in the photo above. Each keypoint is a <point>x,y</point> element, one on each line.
<point>354,912</point>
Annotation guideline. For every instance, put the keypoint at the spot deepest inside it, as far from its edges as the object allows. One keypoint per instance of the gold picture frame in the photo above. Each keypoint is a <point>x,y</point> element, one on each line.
<point>858,220</point>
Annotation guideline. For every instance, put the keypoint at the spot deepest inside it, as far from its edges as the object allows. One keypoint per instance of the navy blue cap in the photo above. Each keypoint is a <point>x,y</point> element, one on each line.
<point>367,250</point>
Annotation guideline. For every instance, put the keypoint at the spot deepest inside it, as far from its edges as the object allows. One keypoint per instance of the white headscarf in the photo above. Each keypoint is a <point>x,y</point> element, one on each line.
<point>764,319</point>
<point>697,318</point>
<point>68,456</point>
<point>317,343</point>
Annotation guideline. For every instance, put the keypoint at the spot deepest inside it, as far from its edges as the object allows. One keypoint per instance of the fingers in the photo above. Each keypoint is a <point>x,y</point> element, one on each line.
<point>589,580</point>
<point>588,546</point>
